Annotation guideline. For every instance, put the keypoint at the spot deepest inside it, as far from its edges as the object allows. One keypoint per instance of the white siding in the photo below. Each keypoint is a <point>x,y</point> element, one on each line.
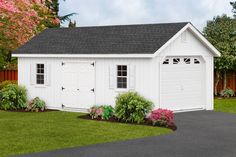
<point>145,78</point>
<point>147,74</point>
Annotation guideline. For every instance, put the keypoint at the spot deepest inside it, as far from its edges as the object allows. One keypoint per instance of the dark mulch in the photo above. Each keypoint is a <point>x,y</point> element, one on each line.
<point>23,110</point>
<point>115,120</point>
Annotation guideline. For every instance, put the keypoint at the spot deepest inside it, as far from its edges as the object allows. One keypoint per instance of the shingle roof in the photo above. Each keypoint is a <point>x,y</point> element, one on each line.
<point>123,39</point>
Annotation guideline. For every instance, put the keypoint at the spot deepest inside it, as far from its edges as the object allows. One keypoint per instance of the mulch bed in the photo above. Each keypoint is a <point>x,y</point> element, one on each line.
<point>115,120</point>
<point>23,110</point>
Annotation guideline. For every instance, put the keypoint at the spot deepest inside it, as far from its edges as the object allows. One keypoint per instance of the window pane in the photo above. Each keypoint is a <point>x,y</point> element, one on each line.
<point>187,60</point>
<point>176,60</point>
<point>119,73</point>
<point>119,67</point>
<point>124,73</point>
<point>166,61</point>
<point>124,67</point>
<point>119,85</point>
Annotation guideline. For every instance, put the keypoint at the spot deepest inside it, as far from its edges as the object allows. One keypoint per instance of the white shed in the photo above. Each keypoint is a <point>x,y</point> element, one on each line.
<point>171,64</point>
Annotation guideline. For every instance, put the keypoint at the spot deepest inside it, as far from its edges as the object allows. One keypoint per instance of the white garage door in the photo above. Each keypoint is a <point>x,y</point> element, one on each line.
<point>78,84</point>
<point>182,83</point>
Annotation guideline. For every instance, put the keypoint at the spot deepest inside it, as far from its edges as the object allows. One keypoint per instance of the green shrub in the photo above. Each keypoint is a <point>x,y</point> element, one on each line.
<point>13,97</point>
<point>5,83</point>
<point>107,112</point>
<point>36,105</point>
<point>227,93</point>
<point>131,107</point>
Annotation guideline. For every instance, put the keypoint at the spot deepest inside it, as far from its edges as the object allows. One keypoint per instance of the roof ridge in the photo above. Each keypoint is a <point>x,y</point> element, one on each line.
<point>123,25</point>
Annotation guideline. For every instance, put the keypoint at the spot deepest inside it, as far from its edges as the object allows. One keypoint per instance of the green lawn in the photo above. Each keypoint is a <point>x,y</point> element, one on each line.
<point>225,105</point>
<point>22,133</point>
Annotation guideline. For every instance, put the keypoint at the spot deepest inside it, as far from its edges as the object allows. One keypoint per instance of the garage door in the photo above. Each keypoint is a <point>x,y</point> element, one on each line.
<point>78,84</point>
<point>182,85</point>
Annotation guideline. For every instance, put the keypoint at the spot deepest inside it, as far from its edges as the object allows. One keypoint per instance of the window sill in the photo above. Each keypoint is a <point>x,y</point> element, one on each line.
<point>121,90</point>
<point>40,86</point>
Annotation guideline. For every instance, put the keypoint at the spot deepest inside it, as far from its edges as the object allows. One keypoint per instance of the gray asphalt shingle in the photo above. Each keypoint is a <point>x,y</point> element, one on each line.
<point>122,39</point>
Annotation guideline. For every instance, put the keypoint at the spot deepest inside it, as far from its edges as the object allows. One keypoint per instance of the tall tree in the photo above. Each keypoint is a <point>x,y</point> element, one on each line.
<point>54,6</point>
<point>219,32</point>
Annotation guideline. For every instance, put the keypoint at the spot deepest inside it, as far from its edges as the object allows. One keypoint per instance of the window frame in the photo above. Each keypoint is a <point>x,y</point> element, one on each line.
<point>127,77</point>
<point>42,74</point>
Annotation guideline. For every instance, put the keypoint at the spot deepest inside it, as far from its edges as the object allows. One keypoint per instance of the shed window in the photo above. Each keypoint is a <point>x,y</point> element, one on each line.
<point>196,61</point>
<point>40,74</point>
<point>176,60</point>
<point>187,60</point>
<point>121,76</point>
<point>166,61</point>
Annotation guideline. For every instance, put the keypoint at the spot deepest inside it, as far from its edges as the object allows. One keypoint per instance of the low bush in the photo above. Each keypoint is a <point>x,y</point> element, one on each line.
<point>107,112</point>
<point>162,117</point>
<point>227,93</point>
<point>132,107</point>
<point>5,83</point>
<point>36,105</point>
<point>103,112</point>
<point>13,97</point>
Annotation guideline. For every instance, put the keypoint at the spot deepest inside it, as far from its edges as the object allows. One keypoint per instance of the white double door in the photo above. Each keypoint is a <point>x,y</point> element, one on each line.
<point>78,81</point>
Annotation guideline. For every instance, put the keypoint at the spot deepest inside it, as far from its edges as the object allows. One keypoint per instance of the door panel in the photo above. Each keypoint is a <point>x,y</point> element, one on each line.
<point>182,84</point>
<point>78,80</point>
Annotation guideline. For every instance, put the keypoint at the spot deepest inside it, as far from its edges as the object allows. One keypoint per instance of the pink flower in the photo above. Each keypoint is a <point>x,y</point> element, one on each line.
<point>163,115</point>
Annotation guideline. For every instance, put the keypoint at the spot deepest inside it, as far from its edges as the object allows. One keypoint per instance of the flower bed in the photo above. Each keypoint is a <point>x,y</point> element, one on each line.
<point>113,119</point>
<point>133,109</point>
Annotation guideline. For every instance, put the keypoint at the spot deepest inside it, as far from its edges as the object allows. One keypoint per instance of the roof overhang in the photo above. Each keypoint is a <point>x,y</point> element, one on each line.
<point>84,55</point>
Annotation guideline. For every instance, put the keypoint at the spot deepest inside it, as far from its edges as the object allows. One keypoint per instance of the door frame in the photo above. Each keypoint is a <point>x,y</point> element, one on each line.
<point>77,62</point>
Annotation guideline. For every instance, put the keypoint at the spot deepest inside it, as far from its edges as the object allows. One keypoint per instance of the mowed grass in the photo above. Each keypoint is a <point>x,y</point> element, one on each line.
<point>22,133</point>
<point>225,105</point>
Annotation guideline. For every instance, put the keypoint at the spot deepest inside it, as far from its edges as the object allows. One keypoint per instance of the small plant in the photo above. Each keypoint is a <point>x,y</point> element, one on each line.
<point>103,112</point>
<point>107,112</point>
<point>13,97</point>
<point>132,107</point>
<point>162,117</point>
<point>96,112</point>
<point>36,105</point>
<point>227,93</point>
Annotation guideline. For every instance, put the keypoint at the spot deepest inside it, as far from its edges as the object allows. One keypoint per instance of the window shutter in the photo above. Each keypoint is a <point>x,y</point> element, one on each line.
<point>48,74</point>
<point>32,73</point>
<point>112,76</point>
<point>132,77</point>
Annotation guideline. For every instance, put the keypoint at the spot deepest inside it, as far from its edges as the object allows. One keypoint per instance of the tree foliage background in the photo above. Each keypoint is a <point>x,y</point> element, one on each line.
<point>20,20</point>
<point>220,31</point>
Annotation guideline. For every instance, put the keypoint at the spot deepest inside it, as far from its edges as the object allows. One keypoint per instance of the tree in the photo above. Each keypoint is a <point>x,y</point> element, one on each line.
<point>54,6</point>
<point>233,4</point>
<point>219,32</point>
<point>20,20</point>
<point>72,25</point>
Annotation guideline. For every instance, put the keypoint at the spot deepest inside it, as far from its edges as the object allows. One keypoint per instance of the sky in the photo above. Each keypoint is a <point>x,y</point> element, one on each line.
<point>123,12</point>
